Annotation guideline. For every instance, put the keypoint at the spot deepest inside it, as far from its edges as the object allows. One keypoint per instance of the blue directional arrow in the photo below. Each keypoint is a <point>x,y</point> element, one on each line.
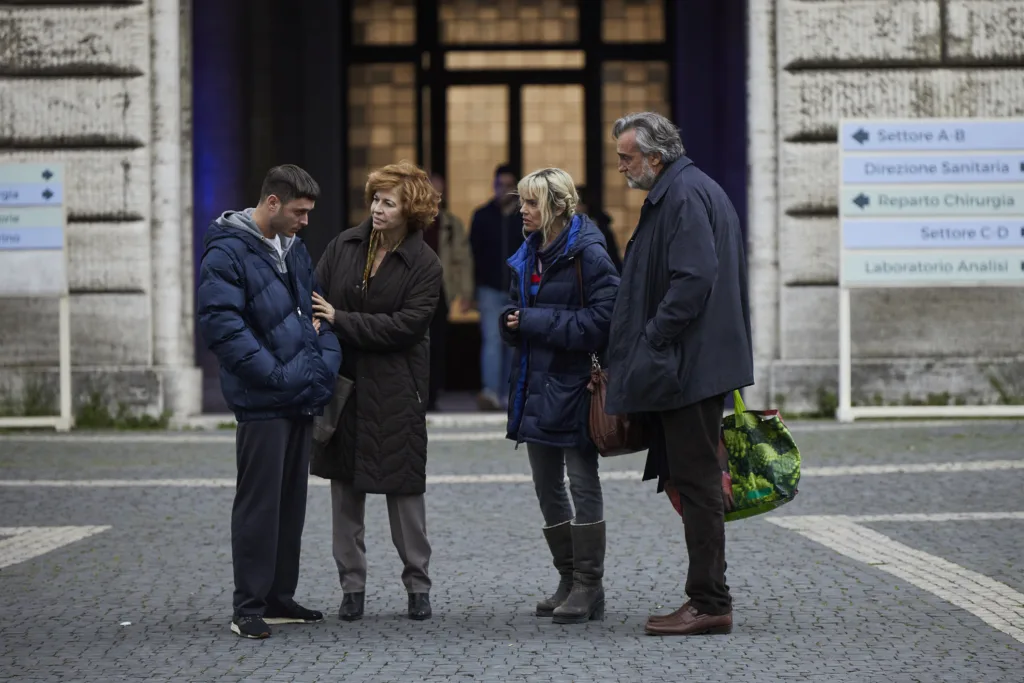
<point>861,200</point>
<point>47,194</point>
<point>47,174</point>
<point>861,136</point>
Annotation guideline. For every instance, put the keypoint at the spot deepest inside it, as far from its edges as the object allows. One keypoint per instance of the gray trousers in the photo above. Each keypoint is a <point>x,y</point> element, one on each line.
<point>408,517</point>
<point>549,464</point>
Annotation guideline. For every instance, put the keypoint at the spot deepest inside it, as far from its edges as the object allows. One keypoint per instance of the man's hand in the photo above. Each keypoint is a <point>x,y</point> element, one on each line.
<point>512,321</point>
<point>316,325</point>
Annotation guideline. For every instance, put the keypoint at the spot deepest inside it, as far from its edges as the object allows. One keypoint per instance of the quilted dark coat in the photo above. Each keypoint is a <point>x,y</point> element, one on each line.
<point>380,445</point>
<point>258,322</point>
<point>548,397</point>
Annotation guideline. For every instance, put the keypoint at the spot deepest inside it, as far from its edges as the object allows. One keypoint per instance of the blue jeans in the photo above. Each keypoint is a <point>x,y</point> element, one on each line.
<point>495,355</point>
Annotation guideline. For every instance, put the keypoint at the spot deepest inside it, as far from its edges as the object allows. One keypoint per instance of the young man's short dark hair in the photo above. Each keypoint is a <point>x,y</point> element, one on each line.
<point>288,183</point>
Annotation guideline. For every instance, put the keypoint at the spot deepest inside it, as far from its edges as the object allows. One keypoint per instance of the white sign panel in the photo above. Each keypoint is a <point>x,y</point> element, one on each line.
<point>935,234</point>
<point>932,135</point>
<point>932,203</point>
<point>33,240</point>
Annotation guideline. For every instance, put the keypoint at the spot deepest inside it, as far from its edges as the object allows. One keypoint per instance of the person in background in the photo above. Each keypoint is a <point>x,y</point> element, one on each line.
<point>382,285</point>
<point>277,371</point>
<point>563,289</point>
<point>680,342</point>
<point>495,234</point>
<point>603,221</point>
<point>446,235</point>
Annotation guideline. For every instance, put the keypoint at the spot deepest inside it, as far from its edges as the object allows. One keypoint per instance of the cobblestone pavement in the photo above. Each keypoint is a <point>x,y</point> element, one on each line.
<point>106,581</point>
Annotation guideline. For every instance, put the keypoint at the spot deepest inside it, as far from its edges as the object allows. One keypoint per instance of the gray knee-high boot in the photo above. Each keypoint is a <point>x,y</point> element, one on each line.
<point>559,538</point>
<point>586,600</point>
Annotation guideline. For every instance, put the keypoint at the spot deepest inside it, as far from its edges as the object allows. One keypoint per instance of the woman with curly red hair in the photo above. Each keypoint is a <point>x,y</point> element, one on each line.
<point>382,285</point>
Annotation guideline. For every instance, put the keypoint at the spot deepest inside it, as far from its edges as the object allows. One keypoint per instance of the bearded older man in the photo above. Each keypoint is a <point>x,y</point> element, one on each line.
<point>680,342</point>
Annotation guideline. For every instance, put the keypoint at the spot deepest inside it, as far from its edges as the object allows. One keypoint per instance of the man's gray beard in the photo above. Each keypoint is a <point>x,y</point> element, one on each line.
<point>646,179</point>
<point>644,182</point>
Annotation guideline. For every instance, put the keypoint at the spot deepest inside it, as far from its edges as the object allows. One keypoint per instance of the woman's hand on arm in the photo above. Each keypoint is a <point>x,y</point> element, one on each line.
<point>322,309</point>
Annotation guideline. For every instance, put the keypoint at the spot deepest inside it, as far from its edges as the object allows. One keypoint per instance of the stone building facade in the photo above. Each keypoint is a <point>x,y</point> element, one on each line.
<point>104,87</point>
<point>813,62</point>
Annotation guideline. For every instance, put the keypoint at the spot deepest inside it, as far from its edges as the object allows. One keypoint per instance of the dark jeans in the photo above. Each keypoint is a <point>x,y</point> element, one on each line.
<point>269,511</point>
<point>549,464</point>
<point>438,336</point>
<point>691,444</point>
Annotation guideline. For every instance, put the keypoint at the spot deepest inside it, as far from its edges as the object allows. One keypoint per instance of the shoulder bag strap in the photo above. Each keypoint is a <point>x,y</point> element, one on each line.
<point>579,279</point>
<point>594,362</point>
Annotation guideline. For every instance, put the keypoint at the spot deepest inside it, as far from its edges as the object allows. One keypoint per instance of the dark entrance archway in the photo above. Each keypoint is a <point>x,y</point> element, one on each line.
<point>277,81</point>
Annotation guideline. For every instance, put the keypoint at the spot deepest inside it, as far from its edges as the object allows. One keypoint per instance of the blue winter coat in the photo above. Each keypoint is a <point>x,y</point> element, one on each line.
<point>548,397</point>
<point>258,322</point>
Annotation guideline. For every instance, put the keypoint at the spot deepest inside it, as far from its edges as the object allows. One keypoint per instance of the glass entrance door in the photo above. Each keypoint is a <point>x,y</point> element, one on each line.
<point>482,132</point>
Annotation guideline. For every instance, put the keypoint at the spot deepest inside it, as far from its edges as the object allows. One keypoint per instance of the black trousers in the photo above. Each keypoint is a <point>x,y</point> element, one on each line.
<point>691,444</point>
<point>269,511</point>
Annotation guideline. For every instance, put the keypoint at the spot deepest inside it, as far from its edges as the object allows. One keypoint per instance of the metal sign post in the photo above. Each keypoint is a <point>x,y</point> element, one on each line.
<point>927,203</point>
<point>33,261</point>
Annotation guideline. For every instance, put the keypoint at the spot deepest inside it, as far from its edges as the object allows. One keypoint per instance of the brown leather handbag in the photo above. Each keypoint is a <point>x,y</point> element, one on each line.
<point>612,434</point>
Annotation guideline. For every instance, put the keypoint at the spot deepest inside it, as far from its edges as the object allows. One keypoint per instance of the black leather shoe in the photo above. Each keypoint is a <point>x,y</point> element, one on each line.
<point>351,606</point>
<point>292,613</point>
<point>419,606</point>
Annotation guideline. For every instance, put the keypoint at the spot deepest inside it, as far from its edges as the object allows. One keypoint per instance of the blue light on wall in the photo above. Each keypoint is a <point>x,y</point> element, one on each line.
<point>219,137</point>
<point>219,120</point>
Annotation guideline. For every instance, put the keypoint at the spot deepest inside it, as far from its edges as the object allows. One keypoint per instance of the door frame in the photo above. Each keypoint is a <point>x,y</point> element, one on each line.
<point>428,53</point>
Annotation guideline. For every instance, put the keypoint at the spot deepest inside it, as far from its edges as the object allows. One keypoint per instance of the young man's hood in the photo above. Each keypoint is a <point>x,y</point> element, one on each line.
<point>242,221</point>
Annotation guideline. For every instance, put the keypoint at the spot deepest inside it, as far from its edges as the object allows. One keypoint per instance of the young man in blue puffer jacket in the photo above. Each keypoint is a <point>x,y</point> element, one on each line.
<point>277,371</point>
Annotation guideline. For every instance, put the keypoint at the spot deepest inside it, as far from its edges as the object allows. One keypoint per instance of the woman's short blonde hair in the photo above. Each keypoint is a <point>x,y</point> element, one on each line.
<point>555,194</point>
<point>420,201</point>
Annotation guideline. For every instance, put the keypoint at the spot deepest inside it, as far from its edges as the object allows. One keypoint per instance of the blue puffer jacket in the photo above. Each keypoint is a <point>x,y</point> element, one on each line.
<point>257,320</point>
<point>548,397</point>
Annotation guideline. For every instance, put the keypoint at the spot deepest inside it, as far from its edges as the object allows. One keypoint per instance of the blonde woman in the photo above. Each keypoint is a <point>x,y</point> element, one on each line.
<point>563,289</point>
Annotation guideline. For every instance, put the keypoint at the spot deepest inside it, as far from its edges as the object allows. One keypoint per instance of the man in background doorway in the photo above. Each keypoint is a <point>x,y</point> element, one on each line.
<point>447,237</point>
<point>496,232</point>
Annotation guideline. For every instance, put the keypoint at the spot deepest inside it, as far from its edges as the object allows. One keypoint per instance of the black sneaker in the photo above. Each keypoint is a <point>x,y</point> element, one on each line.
<point>250,627</point>
<point>293,613</point>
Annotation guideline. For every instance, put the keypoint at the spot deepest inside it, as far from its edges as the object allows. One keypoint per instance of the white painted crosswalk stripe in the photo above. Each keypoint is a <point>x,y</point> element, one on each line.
<point>522,478</point>
<point>28,542</point>
<point>995,603</point>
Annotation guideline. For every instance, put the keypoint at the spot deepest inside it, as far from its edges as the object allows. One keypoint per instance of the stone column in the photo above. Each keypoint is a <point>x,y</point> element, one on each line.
<point>763,207</point>
<point>173,353</point>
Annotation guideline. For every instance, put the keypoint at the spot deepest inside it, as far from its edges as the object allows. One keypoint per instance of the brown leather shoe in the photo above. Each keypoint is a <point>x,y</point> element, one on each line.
<point>660,618</point>
<point>690,622</point>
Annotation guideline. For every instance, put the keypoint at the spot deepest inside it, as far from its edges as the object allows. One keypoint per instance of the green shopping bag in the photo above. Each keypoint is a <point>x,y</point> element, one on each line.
<point>763,461</point>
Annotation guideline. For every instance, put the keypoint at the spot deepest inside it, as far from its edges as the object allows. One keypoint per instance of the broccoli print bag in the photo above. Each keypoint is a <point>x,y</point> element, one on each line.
<point>763,461</point>
<point>760,463</point>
